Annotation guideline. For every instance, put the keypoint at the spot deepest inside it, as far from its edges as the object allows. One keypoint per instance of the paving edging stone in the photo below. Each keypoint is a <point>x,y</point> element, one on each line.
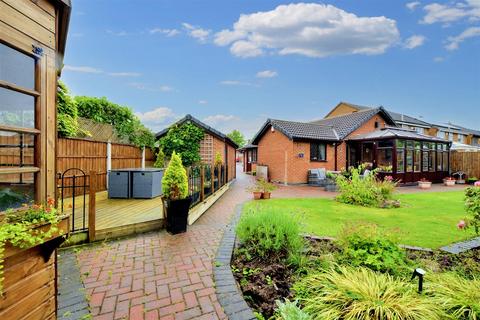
<point>229,295</point>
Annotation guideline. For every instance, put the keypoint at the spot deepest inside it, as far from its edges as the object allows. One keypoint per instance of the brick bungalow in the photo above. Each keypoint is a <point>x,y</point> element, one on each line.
<point>213,142</point>
<point>290,149</point>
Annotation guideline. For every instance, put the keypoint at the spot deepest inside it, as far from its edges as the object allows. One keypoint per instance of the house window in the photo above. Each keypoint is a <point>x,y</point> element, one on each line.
<point>409,156</point>
<point>417,157</point>
<point>400,156</point>
<point>18,135</point>
<point>377,124</point>
<point>385,155</point>
<point>431,158</point>
<point>318,151</point>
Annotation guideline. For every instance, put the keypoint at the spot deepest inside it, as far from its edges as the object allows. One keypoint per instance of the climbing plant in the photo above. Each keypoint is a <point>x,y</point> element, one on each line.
<point>67,112</point>
<point>185,140</point>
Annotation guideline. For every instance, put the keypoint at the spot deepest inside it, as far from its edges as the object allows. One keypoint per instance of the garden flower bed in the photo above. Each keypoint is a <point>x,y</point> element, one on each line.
<point>363,274</point>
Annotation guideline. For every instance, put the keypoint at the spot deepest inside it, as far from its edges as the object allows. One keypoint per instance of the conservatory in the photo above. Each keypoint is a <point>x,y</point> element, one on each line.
<point>406,155</point>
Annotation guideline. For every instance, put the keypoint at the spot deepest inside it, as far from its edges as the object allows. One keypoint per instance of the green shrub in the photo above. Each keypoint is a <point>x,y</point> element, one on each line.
<point>218,160</point>
<point>160,161</point>
<point>290,311</point>
<point>274,236</point>
<point>472,206</point>
<point>126,123</point>
<point>366,246</point>
<point>364,190</point>
<point>67,113</point>
<point>175,180</point>
<point>360,293</point>
<point>185,141</point>
<point>457,296</point>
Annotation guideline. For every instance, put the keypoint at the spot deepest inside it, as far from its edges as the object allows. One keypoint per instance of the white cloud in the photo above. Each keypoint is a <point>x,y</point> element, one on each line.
<point>81,69</point>
<point>267,74</point>
<point>124,74</point>
<point>453,43</point>
<point>235,83</point>
<point>412,5</point>
<point>86,69</point>
<point>310,29</point>
<point>147,87</point>
<point>202,102</point>
<point>196,32</point>
<point>438,59</point>
<point>451,12</point>
<point>155,119</point>
<point>166,32</point>
<point>219,118</point>
<point>414,41</point>
<point>121,33</point>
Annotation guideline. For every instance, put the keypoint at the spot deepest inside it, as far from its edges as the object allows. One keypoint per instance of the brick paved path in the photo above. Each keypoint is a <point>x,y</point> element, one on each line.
<point>158,275</point>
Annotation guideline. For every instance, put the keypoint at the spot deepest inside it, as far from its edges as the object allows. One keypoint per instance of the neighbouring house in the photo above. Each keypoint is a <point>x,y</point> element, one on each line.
<point>249,157</point>
<point>449,131</point>
<point>213,142</point>
<point>370,135</point>
<point>32,45</point>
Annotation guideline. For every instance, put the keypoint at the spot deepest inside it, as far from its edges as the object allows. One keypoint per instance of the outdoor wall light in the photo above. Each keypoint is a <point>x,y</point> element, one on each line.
<point>419,272</point>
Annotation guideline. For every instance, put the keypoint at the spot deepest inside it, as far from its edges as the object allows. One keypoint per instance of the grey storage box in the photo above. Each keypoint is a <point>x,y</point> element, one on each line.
<point>119,184</point>
<point>147,183</point>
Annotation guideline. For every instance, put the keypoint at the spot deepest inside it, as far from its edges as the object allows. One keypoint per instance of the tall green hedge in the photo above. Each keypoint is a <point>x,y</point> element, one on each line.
<point>101,110</point>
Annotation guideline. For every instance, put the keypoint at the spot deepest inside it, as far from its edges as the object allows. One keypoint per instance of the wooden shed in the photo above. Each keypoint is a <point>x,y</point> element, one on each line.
<point>32,44</point>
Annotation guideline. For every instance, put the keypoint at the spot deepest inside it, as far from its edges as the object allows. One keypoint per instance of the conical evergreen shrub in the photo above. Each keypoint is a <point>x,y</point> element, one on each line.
<point>175,180</point>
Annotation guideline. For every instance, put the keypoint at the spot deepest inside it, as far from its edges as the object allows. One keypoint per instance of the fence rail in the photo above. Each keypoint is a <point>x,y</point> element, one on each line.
<point>204,180</point>
<point>468,162</point>
<point>89,155</point>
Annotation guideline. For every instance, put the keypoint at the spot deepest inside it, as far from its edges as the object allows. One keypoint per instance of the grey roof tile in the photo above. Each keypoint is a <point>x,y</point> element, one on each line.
<point>346,124</point>
<point>302,130</point>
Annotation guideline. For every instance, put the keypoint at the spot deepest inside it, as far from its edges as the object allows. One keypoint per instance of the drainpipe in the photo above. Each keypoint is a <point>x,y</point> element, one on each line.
<point>335,145</point>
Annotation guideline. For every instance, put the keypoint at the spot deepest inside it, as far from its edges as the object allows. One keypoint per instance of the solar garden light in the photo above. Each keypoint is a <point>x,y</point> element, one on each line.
<point>419,272</point>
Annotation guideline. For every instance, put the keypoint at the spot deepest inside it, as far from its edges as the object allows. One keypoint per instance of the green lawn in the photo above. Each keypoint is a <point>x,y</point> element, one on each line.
<point>425,219</point>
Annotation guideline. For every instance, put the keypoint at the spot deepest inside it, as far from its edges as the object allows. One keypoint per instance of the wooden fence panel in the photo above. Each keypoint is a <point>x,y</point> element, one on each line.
<point>92,156</point>
<point>468,162</point>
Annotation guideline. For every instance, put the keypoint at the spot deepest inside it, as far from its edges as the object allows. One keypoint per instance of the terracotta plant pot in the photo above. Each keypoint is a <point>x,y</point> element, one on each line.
<point>257,195</point>
<point>266,195</point>
<point>449,183</point>
<point>424,184</point>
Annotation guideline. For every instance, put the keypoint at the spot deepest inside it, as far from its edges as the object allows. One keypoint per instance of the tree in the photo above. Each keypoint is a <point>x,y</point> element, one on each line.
<point>237,137</point>
<point>185,141</point>
<point>160,161</point>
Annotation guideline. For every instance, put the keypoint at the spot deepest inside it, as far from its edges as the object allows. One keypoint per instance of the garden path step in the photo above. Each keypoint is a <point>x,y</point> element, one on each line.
<point>463,246</point>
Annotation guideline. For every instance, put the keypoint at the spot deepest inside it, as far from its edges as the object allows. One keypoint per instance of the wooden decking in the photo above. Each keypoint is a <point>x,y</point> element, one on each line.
<point>113,213</point>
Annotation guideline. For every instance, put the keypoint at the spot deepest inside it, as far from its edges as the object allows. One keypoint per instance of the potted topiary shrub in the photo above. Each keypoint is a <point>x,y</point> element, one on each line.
<point>256,190</point>
<point>424,184</point>
<point>266,188</point>
<point>449,181</point>
<point>175,195</point>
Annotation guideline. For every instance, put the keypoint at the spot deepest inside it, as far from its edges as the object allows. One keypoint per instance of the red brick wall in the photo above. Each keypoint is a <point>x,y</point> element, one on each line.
<point>232,164</point>
<point>281,155</point>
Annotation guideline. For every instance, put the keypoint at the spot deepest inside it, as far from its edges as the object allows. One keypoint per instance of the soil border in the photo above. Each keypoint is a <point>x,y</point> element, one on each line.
<point>229,295</point>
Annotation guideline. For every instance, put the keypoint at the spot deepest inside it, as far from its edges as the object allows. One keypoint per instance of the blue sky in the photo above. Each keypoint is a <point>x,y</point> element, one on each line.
<point>235,63</point>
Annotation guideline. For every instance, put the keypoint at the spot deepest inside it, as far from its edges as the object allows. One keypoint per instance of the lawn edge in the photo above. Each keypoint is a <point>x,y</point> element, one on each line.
<point>229,295</point>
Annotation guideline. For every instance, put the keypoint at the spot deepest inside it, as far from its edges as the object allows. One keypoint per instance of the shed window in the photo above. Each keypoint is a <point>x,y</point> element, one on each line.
<point>318,151</point>
<point>18,134</point>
